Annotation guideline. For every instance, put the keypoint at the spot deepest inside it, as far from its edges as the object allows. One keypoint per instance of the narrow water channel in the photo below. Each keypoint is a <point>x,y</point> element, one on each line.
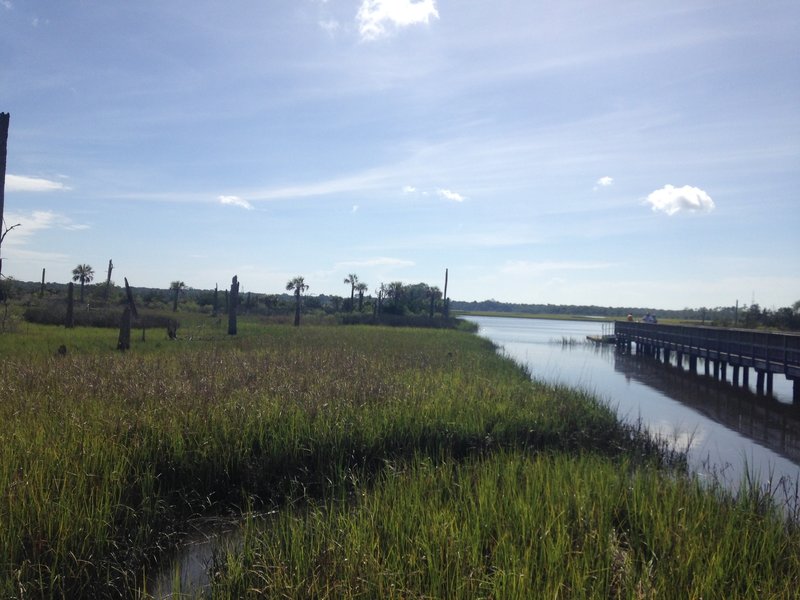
<point>729,432</point>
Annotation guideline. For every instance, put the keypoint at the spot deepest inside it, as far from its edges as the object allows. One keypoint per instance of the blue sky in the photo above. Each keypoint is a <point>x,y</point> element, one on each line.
<point>610,153</point>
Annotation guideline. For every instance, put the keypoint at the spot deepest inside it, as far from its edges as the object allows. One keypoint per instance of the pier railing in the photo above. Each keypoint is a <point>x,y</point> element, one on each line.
<point>766,352</point>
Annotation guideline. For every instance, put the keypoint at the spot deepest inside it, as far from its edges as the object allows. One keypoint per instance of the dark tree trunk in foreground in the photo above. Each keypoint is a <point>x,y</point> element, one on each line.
<point>4,118</point>
<point>41,289</point>
<point>124,341</point>
<point>232,304</point>
<point>70,321</point>
<point>216,301</point>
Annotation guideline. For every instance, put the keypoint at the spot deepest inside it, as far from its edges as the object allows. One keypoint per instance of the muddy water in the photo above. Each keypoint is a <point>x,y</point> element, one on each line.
<point>729,431</point>
<point>187,572</point>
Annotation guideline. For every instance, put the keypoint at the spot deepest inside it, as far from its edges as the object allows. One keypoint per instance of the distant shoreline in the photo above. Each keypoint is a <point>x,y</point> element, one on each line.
<point>519,315</point>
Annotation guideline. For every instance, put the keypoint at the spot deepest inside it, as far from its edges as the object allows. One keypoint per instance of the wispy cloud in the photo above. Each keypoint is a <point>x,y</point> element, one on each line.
<point>374,16</point>
<point>381,261</point>
<point>524,267</point>
<point>38,220</point>
<point>671,200</point>
<point>330,26</point>
<point>235,201</point>
<point>409,189</point>
<point>6,4</point>
<point>21,183</point>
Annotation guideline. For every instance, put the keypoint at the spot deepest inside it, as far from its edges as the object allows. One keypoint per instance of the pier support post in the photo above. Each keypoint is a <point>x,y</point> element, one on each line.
<point>723,369</point>
<point>796,391</point>
<point>716,369</point>
<point>769,383</point>
<point>735,377</point>
<point>746,377</point>
<point>706,366</point>
<point>760,382</point>
<point>693,364</point>
<point>666,356</point>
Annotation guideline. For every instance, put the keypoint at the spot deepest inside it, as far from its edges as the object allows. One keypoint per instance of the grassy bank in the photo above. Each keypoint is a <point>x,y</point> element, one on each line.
<point>376,445</point>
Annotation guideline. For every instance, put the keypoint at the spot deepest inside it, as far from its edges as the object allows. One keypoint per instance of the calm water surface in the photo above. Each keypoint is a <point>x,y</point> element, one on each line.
<point>728,431</point>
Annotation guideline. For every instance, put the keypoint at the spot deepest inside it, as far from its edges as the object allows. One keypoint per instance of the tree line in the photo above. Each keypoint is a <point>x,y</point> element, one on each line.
<point>753,316</point>
<point>45,301</point>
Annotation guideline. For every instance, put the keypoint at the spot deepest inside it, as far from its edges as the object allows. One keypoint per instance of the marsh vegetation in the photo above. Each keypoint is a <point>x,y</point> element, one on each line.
<point>394,462</point>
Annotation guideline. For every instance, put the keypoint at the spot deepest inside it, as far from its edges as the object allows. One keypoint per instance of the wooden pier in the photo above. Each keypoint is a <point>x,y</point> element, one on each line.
<point>766,353</point>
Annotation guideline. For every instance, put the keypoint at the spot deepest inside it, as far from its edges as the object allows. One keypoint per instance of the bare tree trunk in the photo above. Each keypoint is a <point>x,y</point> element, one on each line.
<point>70,321</point>
<point>108,279</point>
<point>124,341</point>
<point>216,301</point>
<point>445,299</point>
<point>41,289</point>
<point>232,303</point>
<point>297,308</point>
<point>131,303</point>
<point>4,119</point>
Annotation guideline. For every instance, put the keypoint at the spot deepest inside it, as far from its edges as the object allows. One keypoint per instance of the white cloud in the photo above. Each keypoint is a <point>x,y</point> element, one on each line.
<point>671,200</point>
<point>450,195</point>
<point>409,189</point>
<point>235,201</point>
<point>605,181</point>
<point>374,15</point>
<point>6,4</point>
<point>355,208</point>
<point>21,183</point>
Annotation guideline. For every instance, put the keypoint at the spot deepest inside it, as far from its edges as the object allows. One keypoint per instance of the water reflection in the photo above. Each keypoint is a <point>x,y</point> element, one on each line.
<point>763,419</point>
<point>729,432</point>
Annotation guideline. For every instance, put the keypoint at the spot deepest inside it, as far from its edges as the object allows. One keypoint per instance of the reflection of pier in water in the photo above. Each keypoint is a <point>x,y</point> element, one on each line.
<point>763,419</point>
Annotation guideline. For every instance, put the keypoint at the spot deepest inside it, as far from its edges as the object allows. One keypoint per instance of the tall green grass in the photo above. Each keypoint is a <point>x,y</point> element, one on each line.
<point>105,455</point>
<point>516,525</point>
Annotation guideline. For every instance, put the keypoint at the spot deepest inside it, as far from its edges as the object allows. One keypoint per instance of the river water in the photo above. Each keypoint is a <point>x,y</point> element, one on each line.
<point>728,432</point>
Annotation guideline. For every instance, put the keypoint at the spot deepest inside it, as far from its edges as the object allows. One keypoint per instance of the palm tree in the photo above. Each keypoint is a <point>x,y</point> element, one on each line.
<point>352,279</point>
<point>177,287</point>
<point>361,287</point>
<point>395,291</point>
<point>299,286</point>
<point>84,274</point>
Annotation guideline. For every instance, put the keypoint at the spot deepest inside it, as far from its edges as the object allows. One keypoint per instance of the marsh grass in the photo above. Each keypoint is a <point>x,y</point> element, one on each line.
<point>104,456</point>
<point>516,525</point>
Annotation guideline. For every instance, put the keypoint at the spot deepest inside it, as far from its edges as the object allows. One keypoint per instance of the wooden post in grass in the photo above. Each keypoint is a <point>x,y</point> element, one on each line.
<point>233,301</point>
<point>70,320</point>
<point>41,289</point>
